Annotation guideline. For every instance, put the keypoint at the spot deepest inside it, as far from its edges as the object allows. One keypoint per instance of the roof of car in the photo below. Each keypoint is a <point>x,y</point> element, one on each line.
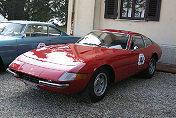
<point>117,31</point>
<point>27,22</point>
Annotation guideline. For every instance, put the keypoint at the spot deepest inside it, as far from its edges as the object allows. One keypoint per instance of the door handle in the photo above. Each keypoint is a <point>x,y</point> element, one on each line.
<point>49,40</point>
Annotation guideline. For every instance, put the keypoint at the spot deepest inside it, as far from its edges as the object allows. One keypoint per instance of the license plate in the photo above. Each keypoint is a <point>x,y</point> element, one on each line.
<point>31,85</point>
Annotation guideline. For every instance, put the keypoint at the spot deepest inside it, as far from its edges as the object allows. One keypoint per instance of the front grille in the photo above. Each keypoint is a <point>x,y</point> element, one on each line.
<point>40,81</point>
<point>30,78</point>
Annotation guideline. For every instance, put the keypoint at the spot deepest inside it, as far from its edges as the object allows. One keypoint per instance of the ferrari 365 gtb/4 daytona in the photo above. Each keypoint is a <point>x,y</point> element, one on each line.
<point>98,59</point>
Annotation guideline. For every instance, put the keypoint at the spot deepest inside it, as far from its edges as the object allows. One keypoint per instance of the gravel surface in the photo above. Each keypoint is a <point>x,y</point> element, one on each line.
<point>133,97</point>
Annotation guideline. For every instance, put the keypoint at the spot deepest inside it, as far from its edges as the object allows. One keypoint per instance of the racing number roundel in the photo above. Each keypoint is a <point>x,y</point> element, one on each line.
<point>141,59</point>
<point>41,45</point>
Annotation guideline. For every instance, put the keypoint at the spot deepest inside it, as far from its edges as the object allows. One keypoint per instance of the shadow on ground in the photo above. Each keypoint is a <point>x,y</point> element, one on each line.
<point>133,97</point>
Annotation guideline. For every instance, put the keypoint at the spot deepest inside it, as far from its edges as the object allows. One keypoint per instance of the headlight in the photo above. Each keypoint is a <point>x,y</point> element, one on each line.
<point>72,76</point>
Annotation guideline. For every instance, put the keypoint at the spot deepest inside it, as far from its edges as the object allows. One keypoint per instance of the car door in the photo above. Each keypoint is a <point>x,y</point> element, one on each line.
<point>137,54</point>
<point>36,36</point>
<point>8,49</point>
<point>117,43</point>
<point>55,36</point>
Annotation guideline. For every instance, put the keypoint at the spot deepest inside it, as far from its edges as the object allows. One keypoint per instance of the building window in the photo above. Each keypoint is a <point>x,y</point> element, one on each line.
<point>135,9</point>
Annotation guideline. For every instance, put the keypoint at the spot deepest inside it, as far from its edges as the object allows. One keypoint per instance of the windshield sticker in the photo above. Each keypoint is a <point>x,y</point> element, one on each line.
<point>141,59</point>
<point>41,45</point>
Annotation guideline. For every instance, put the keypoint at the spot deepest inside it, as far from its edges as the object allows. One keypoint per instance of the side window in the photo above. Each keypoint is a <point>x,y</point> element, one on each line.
<point>137,41</point>
<point>39,31</point>
<point>120,40</point>
<point>106,39</point>
<point>114,40</point>
<point>28,31</point>
<point>147,41</point>
<point>53,32</point>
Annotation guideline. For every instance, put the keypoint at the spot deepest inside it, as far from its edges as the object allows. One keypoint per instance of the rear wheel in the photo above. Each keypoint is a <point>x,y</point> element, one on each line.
<point>98,85</point>
<point>149,72</point>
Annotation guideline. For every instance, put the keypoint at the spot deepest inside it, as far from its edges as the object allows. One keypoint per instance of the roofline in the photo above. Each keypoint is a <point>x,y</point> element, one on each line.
<point>118,31</point>
<point>26,22</point>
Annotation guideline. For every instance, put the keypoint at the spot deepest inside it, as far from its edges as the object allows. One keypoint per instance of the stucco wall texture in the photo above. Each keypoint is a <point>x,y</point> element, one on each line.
<point>89,15</point>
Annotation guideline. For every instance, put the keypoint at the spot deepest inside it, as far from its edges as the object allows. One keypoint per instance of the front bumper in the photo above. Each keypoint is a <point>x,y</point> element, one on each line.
<point>37,80</point>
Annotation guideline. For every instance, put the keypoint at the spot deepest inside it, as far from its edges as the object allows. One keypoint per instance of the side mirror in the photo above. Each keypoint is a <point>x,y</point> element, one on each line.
<point>135,48</point>
<point>23,35</point>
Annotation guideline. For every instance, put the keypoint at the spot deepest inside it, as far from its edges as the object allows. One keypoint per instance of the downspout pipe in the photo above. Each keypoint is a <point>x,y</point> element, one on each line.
<point>72,17</point>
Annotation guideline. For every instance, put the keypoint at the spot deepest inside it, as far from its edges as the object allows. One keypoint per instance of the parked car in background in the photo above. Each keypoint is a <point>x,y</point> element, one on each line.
<point>98,59</point>
<point>17,37</point>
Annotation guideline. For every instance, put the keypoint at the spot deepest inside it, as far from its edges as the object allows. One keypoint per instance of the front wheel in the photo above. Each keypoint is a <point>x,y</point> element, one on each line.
<point>98,85</point>
<point>149,72</point>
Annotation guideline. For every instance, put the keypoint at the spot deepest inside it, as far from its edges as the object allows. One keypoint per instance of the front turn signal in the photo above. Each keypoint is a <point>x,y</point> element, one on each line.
<point>72,76</point>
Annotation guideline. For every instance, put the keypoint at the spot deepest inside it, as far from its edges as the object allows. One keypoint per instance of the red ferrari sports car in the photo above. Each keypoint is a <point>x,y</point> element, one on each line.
<point>98,59</point>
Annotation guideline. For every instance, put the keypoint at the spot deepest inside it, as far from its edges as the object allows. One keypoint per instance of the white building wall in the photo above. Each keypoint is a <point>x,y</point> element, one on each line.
<point>83,17</point>
<point>163,32</point>
<point>89,16</point>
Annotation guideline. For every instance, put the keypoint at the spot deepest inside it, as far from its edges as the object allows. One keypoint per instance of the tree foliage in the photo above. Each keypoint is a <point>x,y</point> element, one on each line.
<point>37,10</point>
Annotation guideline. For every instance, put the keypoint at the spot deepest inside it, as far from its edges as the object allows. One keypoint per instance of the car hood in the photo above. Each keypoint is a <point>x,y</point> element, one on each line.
<point>67,54</point>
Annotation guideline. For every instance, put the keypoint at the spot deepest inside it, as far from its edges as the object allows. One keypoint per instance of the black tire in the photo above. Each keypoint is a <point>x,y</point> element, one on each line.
<point>99,80</point>
<point>149,72</point>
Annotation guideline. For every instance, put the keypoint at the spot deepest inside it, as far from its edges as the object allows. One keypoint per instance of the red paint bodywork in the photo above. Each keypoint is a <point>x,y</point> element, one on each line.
<point>52,62</point>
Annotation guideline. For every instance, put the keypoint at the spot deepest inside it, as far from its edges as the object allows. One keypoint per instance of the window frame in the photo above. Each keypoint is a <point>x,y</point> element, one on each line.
<point>60,33</point>
<point>26,30</point>
<point>30,25</point>
<point>132,13</point>
<point>152,10</point>
<point>102,32</point>
<point>132,40</point>
<point>145,41</point>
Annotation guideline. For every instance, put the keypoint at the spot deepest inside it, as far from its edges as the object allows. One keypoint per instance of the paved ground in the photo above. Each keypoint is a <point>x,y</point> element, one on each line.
<point>168,55</point>
<point>133,97</point>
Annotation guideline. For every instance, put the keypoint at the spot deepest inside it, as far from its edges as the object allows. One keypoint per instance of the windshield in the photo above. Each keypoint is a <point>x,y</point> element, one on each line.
<point>11,29</point>
<point>106,39</point>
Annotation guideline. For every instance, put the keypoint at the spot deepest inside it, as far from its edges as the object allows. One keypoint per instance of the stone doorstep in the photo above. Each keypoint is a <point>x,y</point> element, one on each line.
<point>166,68</point>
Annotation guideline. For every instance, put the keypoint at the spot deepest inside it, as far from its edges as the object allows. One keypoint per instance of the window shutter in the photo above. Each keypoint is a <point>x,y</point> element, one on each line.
<point>153,10</point>
<point>111,9</point>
